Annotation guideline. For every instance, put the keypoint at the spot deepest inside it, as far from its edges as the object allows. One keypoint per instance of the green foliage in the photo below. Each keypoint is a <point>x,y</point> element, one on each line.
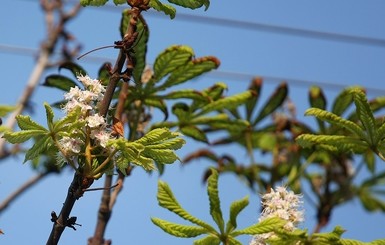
<point>5,109</point>
<point>163,7</point>
<point>365,135</point>
<point>93,2</point>
<point>226,233</point>
<point>158,145</point>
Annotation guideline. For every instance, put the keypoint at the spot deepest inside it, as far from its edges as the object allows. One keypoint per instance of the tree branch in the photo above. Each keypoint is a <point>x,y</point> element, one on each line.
<point>46,50</point>
<point>24,187</point>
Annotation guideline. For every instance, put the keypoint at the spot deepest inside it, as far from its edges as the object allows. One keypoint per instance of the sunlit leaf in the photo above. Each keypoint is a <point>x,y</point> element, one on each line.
<point>343,101</point>
<point>336,120</point>
<point>189,71</point>
<point>194,132</point>
<point>26,123</point>
<point>235,208</point>
<point>167,200</point>
<point>227,102</point>
<point>365,115</point>
<point>170,59</point>
<point>208,240</point>
<point>177,229</point>
<point>264,226</point>
<point>22,136</point>
<point>39,147</point>
<point>215,204</point>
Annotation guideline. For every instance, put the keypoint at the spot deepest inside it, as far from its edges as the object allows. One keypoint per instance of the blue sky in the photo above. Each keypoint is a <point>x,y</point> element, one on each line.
<point>301,61</point>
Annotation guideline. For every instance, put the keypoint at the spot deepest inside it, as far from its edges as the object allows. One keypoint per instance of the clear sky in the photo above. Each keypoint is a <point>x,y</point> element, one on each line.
<point>356,56</point>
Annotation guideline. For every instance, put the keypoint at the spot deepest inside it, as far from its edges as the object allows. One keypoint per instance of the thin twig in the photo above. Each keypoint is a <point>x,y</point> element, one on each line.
<point>24,187</point>
<point>46,50</point>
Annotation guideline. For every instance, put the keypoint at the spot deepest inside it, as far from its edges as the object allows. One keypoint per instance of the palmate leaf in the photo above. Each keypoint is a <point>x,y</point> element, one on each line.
<point>215,204</point>
<point>59,81</point>
<point>275,101</point>
<point>169,60</point>
<point>160,137</point>
<point>26,123</point>
<point>343,101</point>
<point>194,132</point>
<point>336,120</point>
<point>266,225</point>
<point>167,200</point>
<point>162,156</point>
<point>365,115</point>
<point>22,136</point>
<point>186,94</point>
<point>178,230</point>
<point>225,103</point>
<point>192,4</point>
<point>162,7</point>
<point>189,71</point>
<point>340,142</point>
<point>208,240</point>
<point>40,146</point>
<point>317,100</point>
<point>235,208</point>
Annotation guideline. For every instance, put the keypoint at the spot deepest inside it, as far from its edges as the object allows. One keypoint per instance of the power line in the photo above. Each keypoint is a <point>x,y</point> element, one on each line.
<point>257,26</point>
<point>218,74</point>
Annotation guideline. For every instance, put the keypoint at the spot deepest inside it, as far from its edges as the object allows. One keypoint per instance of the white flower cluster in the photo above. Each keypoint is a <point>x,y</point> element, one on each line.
<point>283,204</point>
<point>87,100</point>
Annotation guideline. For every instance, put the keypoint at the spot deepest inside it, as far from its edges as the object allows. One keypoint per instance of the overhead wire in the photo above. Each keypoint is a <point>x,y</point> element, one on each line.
<point>218,74</point>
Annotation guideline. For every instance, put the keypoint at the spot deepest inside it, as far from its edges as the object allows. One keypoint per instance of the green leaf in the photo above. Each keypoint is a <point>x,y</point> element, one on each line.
<point>157,103</point>
<point>266,225</point>
<point>186,94</point>
<point>215,204</point>
<point>208,240</point>
<point>340,142</point>
<point>26,123</point>
<point>177,229</point>
<point>235,208</point>
<point>93,2</point>
<point>192,4</point>
<point>162,156</point>
<point>170,59</point>
<point>355,242</point>
<point>181,111</point>
<point>317,100</point>
<point>140,46</point>
<point>39,147</point>
<point>365,115</point>
<point>140,50</point>
<point>194,132</point>
<point>189,71</point>
<point>60,82</point>
<point>50,115</point>
<point>5,109</point>
<point>22,136</point>
<point>74,68</point>
<point>158,136</point>
<point>343,101</point>
<point>167,200</point>
<point>226,103</point>
<point>161,7</point>
<point>255,86</point>
<point>118,2</point>
<point>336,120</point>
<point>275,101</point>
<point>370,202</point>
